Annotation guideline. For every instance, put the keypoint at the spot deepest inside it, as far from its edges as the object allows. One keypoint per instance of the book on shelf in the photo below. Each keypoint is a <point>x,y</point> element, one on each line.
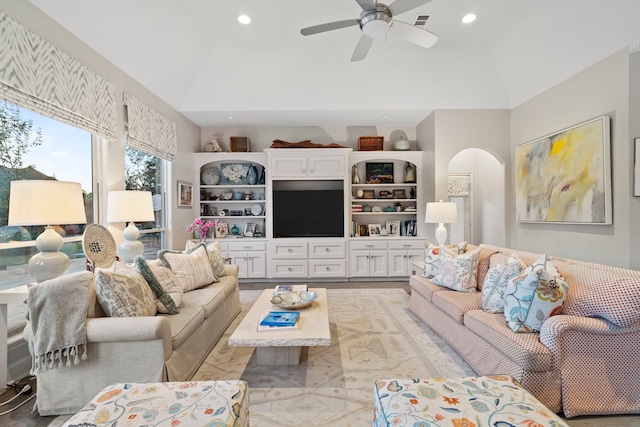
<point>289,288</point>
<point>279,321</point>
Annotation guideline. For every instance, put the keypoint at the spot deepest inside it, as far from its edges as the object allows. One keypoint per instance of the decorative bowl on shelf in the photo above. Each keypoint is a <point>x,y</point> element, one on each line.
<point>294,300</point>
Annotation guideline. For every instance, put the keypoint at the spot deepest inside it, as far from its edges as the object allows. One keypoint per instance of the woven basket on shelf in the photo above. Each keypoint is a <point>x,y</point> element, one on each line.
<point>371,143</point>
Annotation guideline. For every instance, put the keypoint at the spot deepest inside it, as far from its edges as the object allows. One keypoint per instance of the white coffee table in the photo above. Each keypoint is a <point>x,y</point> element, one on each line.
<point>283,347</point>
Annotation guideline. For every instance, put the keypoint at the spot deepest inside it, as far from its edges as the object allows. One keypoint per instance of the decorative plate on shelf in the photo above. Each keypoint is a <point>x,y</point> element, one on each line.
<point>234,173</point>
<point>256,210</point>
<point>210,176</point>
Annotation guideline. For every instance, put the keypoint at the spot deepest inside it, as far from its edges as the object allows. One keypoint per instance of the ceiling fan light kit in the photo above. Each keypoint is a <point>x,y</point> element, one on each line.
<point>376,20</point>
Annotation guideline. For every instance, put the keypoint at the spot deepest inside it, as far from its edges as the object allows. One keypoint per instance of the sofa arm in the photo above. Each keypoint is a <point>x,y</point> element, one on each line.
<point>232,269</point>
<point>123,329</point>
<point>598,362</point>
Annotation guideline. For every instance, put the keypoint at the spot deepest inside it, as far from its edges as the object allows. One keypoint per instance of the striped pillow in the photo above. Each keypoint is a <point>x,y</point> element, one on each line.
<point>192,268</point>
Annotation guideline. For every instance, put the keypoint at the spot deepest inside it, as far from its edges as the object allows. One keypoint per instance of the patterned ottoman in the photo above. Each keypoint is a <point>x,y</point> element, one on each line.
<point>195,403</point>
<point>462,402</point>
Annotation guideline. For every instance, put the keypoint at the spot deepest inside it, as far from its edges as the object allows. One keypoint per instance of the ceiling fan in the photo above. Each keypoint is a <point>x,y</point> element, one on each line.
<point>375,21</point>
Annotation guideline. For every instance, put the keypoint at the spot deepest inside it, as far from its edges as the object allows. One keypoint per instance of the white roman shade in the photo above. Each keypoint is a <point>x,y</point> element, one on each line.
<point>149,131</point>
<point>38,76</point>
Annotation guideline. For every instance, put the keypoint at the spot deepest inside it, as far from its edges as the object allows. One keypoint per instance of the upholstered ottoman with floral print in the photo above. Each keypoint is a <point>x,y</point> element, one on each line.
<point>171,404</point>
<point>496,401</point>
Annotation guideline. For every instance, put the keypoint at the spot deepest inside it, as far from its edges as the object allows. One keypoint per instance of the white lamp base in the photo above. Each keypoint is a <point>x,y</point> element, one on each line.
<point>441,234</point>
<point>50,262</point>
<point>131,247</point>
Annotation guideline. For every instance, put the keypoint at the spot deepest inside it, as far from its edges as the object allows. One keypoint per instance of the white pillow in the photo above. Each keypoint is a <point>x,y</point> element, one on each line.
<point>164,284</point>
<point>458,272</point>
<point>534,296</point>
<point>192,269</point>
<point>495,283</point>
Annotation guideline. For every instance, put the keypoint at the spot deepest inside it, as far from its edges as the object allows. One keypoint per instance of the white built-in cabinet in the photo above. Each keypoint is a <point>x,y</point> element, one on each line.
<point>353,255</point>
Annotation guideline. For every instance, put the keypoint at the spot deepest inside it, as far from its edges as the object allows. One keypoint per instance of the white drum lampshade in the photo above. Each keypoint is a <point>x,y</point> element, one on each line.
<point>49,203</point>
<point>441,213</point>
<point>130,206</point>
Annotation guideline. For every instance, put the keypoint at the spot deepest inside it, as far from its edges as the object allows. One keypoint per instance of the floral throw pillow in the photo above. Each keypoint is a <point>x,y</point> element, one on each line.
<point>495,283</point>
<point>124,293</point>
<point>534,296</point>
<point>458,272</point>
<point>432,257</point>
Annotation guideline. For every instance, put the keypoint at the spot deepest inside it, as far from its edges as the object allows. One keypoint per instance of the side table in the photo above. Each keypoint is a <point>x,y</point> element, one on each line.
<point>15,295</point>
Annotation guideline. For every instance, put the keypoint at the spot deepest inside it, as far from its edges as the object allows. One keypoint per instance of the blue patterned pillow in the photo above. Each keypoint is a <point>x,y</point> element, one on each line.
<point>124,293</point>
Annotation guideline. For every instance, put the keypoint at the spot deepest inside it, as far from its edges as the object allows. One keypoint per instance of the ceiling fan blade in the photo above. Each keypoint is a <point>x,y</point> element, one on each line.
<point>367,4</point>
<point>414,34</point>
<point>329,27</point>
<point>362,48</point>
<point>401,6</point>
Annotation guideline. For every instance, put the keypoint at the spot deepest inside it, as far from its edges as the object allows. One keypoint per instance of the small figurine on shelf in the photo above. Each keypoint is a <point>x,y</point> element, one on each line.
<point>213,146</point>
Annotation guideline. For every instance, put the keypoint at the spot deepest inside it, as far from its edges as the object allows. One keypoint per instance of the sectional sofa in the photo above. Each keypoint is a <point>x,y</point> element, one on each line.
<point>584,361</point>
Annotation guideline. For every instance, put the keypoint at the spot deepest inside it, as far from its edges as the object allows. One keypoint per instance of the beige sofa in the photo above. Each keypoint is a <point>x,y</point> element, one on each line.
<point>584,361</point>
<point>141,349</point>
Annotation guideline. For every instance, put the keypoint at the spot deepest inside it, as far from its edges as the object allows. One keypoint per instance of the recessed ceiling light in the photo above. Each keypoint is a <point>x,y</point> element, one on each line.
<point>385,116</point>
<point>468,18</point>
<point>244,19</point>
<point>230,117</point>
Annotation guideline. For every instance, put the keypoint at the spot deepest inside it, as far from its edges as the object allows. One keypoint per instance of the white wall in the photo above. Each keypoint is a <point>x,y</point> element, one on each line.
<point>445,133</point>
<point>188,134</point>
<point>602,89</point>
<point>488,190</point>
<point>634,132</point>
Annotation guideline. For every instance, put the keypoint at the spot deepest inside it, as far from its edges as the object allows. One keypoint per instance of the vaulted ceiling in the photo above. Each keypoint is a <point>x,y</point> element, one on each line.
<point>198,58</point>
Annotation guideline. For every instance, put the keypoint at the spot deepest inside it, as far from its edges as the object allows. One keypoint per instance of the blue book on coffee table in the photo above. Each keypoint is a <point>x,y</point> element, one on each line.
<point>280,318</point>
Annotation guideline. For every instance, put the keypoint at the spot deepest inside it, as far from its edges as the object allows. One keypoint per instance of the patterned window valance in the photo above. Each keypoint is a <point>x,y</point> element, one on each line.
<point>149,131</point>
<point>38,76</point>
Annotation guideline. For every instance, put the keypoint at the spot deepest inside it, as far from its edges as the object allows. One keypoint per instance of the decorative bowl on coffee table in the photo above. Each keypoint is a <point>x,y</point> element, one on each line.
<point>294,300</point>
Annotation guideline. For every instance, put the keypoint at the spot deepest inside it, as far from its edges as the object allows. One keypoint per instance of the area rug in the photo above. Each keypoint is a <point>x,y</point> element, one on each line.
<point>373,336</point>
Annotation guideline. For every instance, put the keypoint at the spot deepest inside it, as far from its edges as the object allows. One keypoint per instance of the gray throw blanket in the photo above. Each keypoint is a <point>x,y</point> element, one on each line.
<point>58,315</point>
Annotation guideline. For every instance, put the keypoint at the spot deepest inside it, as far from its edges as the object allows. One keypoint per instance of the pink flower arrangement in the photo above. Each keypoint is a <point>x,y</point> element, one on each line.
<point>200,227</point>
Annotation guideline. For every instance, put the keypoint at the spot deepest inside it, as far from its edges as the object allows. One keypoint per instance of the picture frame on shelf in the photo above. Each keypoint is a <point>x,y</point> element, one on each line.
<point>393,228</point>
<point>374,229</point>
<point>249,229</point>
<point>221,230</point>
<point>379,173</point>
<point>385,194</point>
<point>185,195</point>
<point>399,193</point>
<point>369,194</point>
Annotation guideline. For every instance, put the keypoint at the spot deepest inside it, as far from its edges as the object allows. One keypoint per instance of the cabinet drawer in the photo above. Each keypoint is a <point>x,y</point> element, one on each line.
<point>328,268</point>
<point>288,250</point>
<point>367,244</point>
<point>289,268</point>
<point>406,244</point>
<point>247,246</point>
<point>327,250</point>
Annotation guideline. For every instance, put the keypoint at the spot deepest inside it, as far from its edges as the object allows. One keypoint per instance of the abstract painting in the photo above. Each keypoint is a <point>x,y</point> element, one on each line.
<point>566,177</point>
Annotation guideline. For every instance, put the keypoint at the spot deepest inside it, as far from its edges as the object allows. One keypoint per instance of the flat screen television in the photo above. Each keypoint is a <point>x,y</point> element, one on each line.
<point>308,212</point>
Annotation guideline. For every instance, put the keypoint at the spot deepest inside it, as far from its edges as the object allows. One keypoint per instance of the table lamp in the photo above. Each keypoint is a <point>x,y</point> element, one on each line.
<point>130,206</point>
<point>441,213</point>
<point>49,203</point>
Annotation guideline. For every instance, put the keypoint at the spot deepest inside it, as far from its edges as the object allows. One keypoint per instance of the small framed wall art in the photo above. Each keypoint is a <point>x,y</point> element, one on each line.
<point>185,194</point>
<point>379,173</point>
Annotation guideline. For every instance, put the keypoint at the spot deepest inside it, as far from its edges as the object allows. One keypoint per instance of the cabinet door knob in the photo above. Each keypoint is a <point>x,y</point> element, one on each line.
<point>328,268</point>
<point>290,269</point>
<point>327,249</point>
<point>289,250</point>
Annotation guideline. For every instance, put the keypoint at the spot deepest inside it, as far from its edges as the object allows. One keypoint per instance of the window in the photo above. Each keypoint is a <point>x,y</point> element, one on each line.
<point>144,172</point>
<point>37,147</point>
